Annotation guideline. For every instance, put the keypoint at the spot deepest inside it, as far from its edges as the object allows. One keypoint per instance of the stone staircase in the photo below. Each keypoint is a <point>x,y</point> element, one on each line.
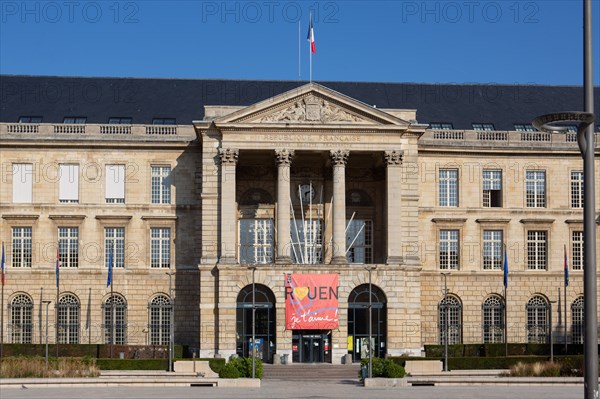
<point>308,372</point>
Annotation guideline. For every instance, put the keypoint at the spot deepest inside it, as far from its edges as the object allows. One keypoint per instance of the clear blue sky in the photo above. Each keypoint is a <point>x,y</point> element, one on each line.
<point>391,41</point>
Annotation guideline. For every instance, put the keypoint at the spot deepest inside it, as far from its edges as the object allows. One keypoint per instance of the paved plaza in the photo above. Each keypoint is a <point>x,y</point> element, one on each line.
<point>296,389</point>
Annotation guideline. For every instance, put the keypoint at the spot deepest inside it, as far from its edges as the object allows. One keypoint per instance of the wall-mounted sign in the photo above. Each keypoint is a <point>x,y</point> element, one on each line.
<point>311,301</point>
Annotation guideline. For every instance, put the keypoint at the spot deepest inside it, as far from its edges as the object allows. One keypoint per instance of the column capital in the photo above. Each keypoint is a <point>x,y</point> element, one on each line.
<point>393,158</point>
<point>339,157</point>
<point>228,155</point>
<point>284,157</point>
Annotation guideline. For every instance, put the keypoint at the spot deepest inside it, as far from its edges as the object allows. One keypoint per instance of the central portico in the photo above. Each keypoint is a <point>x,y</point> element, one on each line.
<point>308,182</point>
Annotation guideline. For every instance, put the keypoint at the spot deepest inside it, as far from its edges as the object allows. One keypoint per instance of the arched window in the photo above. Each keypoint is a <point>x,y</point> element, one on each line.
<point>118,313</point>
<point>577,321</point>
<point>358,322</point>
<point>264,322</point>
<point>493,319</point>
<point>537,320</point>
<point>450,317</point>
<point>159,325</point>
<point>21,308</point>
<point>68,319</point>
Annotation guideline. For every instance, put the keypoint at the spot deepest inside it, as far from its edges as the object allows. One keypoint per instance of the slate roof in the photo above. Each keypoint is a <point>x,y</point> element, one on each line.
<point>146,98</point>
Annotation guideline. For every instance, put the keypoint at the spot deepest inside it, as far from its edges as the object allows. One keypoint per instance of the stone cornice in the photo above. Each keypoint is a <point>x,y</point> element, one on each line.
<point>20,217</point>
<point>449,220</point>
<point>493,221</point>
<point>537,221</point>
<point>67,217</point>
<point>159,217</point>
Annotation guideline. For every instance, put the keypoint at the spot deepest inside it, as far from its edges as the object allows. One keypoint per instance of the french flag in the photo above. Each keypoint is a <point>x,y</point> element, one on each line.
<point>57,267</point>
<point>311,37</point>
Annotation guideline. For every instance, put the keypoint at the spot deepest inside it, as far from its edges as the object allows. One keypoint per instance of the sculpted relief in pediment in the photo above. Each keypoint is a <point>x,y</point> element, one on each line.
<point>313,109</point>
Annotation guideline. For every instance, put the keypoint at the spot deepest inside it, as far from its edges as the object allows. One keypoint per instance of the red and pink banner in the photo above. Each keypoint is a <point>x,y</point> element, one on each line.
<point>311,301</point>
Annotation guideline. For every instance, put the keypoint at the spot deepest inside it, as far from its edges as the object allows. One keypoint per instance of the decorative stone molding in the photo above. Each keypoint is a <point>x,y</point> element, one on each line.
<point>284,157</point>
<point>313,109</point>
<point>339,157</point>
<point>393,158</point>
<point>228,155</point>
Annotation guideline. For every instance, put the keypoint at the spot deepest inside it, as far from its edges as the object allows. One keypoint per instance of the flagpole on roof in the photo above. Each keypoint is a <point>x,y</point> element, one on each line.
<point>310,33</point>
<point>299,54</point>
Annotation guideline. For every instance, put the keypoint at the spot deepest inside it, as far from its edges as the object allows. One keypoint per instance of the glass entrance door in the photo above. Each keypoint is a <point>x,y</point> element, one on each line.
<point>311,346</point>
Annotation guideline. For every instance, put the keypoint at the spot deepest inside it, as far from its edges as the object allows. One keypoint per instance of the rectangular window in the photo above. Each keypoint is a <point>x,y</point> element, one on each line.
<point>75,120</point>
<point>68,246</point>
<point>307,241</point>
<point>160,247</point>
<point>114,241</point>
<point>161,184</point>
<point>536,250</point>
<point>68,185</point>
<point>449,255</point>
<point>441,125</point>
<point>119,120</point>
<point>30,119</point>
<point>448,187</point>
<point>492,249</point>
<point>492,188</point>
<point>577,250</point>
<point>115,184</point>
<point>22,174</point>
<point>535,188</point>
<point>163,121</point>
<point>359,241</point>
<point>524,127</point>
<point>256,241</point>
<point>483,126</point>
<point>21,247</point>
<point>577,189</point>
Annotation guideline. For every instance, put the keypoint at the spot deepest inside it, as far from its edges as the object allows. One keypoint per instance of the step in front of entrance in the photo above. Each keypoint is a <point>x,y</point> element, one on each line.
<point>303,371</point>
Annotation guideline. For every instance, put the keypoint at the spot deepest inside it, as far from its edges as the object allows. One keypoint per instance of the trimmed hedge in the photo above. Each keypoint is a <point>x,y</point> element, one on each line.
<point>92,350</point>
<point>241,367</point>
<point>496,350</point>
<point>383,368</point>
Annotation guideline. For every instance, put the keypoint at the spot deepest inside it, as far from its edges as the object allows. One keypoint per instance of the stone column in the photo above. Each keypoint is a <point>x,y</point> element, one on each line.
<point>284,160</point>
<point>393,211</point>
<point>229,158</point>
<point>338,159</point>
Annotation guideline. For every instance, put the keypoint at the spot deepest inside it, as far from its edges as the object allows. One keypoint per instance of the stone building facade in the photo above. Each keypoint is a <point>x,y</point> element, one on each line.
<point>203,215</point>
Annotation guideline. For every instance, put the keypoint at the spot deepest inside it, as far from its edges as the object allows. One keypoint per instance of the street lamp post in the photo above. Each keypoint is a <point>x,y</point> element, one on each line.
<point>252,346</point>
<point>551,335</point>
<point>585,140</point>
<point>171,322</point>
<point>370,346</point>
<point>47,303</point>
<point>446,330</point>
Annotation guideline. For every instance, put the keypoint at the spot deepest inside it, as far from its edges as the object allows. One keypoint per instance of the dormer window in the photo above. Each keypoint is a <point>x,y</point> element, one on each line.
<point>164,121</point>
<point>119,121</point>
<point>75,120</point>
<point>441,125</point>
<point>30,119</point>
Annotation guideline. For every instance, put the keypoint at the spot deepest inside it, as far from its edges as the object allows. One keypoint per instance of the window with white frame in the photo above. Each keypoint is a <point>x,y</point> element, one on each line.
<point>255,241</point>
<point>577,250</point>
<point>577,307</point>
<point>493,319</point>
<point>448,187</point>
<point>22,176</point>
<point>160,247</point>
<point>114,243</point>
<point>68,184</point>
<point>449,249</point>
<point>161,184</point>
<point>492,188</point>
<point>307,241</point>
<point>537,249</point>
<point>159,322</point>
<point>492,249</point>
<point>359,241</point>
<point>537,320</point>
<point>21,247</point>
<point>483,126</point>
<point>115,308</point>
<point>577,189</point>
<point>68,319</point>
<point>68,246</point>
<point>21,312</point>
<point>524,127</point>
<point>441,125</point>
<point>115,184</point>
<point>535,188</point>
<point>450,317</point>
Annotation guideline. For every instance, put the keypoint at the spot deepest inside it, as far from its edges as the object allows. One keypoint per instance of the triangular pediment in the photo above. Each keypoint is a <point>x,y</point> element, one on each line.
<point>311,104</point>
